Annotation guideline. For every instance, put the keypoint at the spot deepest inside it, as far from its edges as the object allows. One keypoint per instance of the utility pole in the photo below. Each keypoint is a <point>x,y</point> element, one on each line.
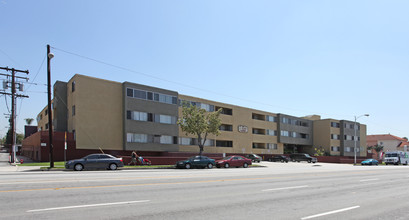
<point>13,106</point>
<point>50,118</point>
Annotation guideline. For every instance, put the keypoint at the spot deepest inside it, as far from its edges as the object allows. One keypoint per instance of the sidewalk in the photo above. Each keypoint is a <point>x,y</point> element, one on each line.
<point>5,166</point>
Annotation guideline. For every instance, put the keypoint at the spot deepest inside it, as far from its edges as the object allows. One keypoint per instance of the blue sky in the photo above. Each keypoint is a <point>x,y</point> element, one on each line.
<point>338,59</point>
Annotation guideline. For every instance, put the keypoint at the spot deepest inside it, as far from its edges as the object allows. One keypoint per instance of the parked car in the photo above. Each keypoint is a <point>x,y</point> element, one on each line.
<point>95,161</point>
<point>196,161</point>
<point>254,157</point>
<point>233,161</point>
<point>279,158</point>
<point>369,162</point>
<point>303,157</point>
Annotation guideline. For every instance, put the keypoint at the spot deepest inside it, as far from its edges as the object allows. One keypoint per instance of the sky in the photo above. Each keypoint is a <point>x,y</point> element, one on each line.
<point>339,59</point>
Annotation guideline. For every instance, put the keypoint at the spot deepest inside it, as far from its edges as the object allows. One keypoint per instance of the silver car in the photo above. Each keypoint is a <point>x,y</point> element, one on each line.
<point>95,161</point>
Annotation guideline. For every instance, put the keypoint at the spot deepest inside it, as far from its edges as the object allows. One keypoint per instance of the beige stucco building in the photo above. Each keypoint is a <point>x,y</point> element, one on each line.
<point>127,116</point>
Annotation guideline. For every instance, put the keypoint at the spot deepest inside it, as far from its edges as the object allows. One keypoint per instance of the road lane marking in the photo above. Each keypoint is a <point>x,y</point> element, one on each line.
<point>367,180</point>
<point>331,212</point>
<point>285,188</point>
<point>139,184</point>
<point>86,206</point>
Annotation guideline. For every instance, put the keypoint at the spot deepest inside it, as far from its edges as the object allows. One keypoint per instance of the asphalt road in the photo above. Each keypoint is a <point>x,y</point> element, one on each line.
<point>277,191</point>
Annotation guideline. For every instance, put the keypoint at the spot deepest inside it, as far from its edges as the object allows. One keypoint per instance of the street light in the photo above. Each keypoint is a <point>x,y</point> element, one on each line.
<point>50,119</point>
<point>355,129</point>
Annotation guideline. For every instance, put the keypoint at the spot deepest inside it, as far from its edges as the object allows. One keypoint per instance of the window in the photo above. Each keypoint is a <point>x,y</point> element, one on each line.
<point>335,124</point>
<point>259,145</point>
<point>140,116</point>
<point>46,112</point>
<point>258,131</point>
<point>271,132</point>
<point>156,97</point>
<point>142,94</point>
<point>207,107</point>
<point>304,136</point>
<point>334,136</point>
<point>136,138</point>
<point>73,86</point>
<point>139,94</point>
<point>224,143</point>
<point>209,142</point>
<point>347,149</point>
<point>167,119</point>
<point>150,95</point>
<point>73,110</point>
<point>304,124</point>
<point>350,126</point>
<point>225,111</point>
<point>272,146</point>
<point>285,133</point>
<point>129,92</point>
<point>225,127</point>
<point>271,118</point>
<point>186,141</point>
<point>348,137</point>
<point>258,117</point>
<point>74,134</point>
<point>46,126</point>
<point>335,149</point>
<point>164,139</point>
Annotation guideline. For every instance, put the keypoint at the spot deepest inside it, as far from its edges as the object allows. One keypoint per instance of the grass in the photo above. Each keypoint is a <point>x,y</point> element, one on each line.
<point>151,166</point>
<point>61,165</point>
<point>44,164</point>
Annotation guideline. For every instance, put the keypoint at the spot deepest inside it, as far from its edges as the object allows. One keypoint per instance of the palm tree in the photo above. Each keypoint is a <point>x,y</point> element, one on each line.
<point>29,120</point>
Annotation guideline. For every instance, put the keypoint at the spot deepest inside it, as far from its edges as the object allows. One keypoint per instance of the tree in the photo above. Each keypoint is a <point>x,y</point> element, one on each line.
<point>9,139</point>
<point>319,151</point>
<point>378,148</point>
<point>405,138</point>
<point>29,120</point>
<point>198,122</point>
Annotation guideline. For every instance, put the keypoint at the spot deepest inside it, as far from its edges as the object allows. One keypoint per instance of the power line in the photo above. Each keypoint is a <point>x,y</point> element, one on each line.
<point>38,71</point>
<point>9,57</point>
<point>185,85</point>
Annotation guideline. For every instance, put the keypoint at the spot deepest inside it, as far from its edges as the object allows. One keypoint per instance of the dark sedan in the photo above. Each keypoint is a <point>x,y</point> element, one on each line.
<point>279,158</point>
<point>196,161</point>
<point>233,161</point>
<point>254,157</point>
<point>95,161</point>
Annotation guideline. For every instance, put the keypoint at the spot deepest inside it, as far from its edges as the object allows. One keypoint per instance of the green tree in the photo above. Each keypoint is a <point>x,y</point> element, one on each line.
<point>29,120</point>
<point>9,139</point>
<point>378,148</point>
<point>200,123</point>
<point>319,151</point>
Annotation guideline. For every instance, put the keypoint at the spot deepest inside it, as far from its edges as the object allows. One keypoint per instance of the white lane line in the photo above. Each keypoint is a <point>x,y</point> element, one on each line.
<point>367,180</point>
<point>292,187</point>
<point>331,212</point>
<point>86,206</point>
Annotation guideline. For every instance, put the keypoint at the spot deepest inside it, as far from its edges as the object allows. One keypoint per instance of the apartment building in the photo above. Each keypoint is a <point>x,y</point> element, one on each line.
<point>128,116</point>
<point>340,137</point>
<point>388,141</point>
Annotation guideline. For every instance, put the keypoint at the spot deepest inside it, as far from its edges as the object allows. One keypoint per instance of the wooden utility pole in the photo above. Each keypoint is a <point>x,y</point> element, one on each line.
<point>50,118</point>
<point>13,107</point>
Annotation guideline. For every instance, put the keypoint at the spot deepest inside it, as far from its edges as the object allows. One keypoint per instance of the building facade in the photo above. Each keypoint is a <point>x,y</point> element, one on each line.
<point>340,137</point>
<point>128,116</point>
